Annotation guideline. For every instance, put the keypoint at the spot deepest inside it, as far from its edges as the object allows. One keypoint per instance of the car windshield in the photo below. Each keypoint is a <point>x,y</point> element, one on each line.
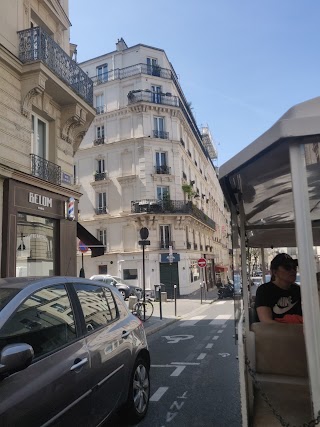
<point>6,295</point>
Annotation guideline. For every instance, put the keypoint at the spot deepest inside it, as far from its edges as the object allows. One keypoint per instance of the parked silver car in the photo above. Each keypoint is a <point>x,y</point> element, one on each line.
<point>70,353</point>
<point>126,289</point>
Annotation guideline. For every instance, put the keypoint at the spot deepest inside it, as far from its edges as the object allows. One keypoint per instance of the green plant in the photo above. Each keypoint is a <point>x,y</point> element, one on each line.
<point>188,190</point>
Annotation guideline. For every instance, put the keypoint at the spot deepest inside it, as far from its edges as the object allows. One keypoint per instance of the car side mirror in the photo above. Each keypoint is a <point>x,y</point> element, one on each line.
<point>15,357</point>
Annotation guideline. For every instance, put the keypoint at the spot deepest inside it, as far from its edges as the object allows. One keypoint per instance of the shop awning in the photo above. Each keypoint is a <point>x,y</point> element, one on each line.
<point>97,248</point>
<point>220,268</point>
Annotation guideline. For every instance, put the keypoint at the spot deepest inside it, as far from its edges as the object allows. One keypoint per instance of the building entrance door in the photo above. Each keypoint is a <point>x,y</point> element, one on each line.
<point>169,276</point>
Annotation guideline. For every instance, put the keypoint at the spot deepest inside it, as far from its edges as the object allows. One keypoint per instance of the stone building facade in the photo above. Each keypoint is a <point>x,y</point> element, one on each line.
<point>144,163</point>
<point>46,106</point>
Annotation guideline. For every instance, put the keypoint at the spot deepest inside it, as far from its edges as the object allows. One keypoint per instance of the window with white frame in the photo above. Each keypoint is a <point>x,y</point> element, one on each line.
<point>40,138</point>
<point>158,128</point>
<point>100,103</point>
<point>165,236</point>
<point>100,132</point>
<point>102,236</point>
<point>156,94</point>
<point>102,73</point>
<point>100,166</point>
<point>101,203</point>
<point>161,163</point>
<point>152,67</point>
<point>163,193</point>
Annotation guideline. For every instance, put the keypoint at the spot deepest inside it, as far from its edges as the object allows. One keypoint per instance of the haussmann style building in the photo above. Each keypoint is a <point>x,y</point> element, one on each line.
<point>144,163</point>
<point>46,106</point>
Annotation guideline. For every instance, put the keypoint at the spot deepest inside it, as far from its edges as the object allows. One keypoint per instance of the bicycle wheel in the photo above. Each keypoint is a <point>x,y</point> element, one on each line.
<point>146,310</point>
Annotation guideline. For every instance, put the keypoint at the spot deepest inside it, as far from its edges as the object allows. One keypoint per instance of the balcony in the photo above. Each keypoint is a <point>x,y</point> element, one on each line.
<point>100,176</point>
<point>35,45</point>
<point>101,210</point>
<point>166,244</point>
<point>162,170</point>
<point>98,141</point>
<point>160,134</point>
<point>153,97</point>
<point>171,207</point>
<point>132,70</point>
<point>43,169</point>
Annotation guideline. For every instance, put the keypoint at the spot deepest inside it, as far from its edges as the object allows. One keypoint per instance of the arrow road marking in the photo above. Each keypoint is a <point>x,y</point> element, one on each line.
<point>174,339</point>
<point>224,354</point>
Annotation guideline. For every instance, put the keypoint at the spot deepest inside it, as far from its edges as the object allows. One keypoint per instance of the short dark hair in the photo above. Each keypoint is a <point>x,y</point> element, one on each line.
<point>283,260</point>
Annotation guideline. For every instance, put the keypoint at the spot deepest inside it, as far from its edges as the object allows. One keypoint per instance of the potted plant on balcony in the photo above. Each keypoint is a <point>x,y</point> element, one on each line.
<point>188,191</point>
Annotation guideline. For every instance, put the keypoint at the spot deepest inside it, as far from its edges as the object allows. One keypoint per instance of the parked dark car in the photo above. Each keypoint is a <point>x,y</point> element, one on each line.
<point>71,353</point>
<point>123,287</point>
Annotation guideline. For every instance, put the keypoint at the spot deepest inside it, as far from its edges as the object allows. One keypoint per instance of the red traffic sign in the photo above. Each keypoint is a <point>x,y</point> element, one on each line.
<point>82,247</point>
<point>202,262</point>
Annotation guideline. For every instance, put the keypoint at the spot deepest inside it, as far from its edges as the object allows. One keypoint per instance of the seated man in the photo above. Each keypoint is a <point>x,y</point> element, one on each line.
<point>280,299</point>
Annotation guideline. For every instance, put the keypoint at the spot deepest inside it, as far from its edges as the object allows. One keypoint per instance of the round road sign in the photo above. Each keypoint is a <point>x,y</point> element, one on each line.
<point>202,262</point>
<point>82,247</point>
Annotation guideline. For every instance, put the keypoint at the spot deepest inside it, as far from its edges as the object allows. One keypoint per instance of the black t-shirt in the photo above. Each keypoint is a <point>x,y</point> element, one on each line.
<point>281,301</point>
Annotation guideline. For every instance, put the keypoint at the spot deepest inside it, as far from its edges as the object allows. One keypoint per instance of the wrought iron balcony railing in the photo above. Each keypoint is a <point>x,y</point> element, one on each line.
<point>45,170</point>
<point>154,97</point>
<point>162,170</point>
<point>171,207</point>
<point>160,134</point>
<point>98,141</point>
<point>133,70</point>
<point>100,176</point>
<point>101,210</point>
<point>36,45</point>
<point>166,244</point>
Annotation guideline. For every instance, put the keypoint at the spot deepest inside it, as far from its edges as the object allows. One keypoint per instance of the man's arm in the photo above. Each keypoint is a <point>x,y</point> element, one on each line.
<point>265,314</point>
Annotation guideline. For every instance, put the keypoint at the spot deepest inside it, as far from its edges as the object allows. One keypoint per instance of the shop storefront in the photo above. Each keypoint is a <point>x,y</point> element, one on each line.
<point>38,239</point>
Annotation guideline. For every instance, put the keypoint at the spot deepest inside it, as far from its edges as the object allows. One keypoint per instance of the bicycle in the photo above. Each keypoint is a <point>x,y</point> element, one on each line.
<point>143,309</point>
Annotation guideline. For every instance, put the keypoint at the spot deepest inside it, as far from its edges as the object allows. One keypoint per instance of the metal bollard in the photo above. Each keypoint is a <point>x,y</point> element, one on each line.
<point>160,303</point>
<point>175,299</point>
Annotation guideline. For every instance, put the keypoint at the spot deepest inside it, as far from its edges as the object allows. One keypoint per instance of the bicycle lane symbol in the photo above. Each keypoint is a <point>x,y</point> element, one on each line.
<point>174,339</point>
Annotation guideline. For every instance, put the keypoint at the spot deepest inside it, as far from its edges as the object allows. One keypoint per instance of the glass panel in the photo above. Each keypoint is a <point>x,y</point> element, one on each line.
<point>97,304</point>
<point>41,139</point>
<point>35,246</point>
<point>45,321</point>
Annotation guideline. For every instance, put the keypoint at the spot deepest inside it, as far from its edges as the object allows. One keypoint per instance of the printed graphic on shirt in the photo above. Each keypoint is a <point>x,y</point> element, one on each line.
<point>284,305</point>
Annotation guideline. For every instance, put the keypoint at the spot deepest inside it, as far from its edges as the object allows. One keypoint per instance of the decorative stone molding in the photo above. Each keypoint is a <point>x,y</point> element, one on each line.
<point>32,85</point>
<point>72,116</point>
<point>127,179</point>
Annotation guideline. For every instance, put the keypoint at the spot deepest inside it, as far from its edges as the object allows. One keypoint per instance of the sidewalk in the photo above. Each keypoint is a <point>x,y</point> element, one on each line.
<point>186,305</point>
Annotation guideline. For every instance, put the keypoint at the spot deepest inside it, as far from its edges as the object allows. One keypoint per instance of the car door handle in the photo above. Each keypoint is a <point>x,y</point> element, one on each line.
<point>78,363</point>
<point>125,334</point>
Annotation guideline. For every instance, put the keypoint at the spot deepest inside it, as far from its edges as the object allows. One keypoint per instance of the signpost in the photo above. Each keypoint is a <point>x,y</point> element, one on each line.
<point>144,234</point>
<point>83,249</point>
<point>202,263</point>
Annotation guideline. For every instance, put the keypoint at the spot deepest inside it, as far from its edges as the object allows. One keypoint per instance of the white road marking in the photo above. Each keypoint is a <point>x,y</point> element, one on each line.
<point>201,356</point>
<point>185,363</point>
<point>174,339</point>
<point>160,366</point>
<point>220,302</point>
<point>221,319</point>
<point>209,345</point>
<point>224,326</point>
<point>158,394</point>
<point>177,371</point>
<point>220,331</point>
<point>216,337</point>
<point>192,321</point>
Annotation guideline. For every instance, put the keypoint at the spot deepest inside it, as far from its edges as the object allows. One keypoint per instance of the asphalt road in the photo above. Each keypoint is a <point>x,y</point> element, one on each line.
<point>194,372</point>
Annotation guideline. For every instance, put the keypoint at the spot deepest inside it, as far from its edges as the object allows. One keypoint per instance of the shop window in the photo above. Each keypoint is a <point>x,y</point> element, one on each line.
<point>35,246</point>
<point>130,273</point>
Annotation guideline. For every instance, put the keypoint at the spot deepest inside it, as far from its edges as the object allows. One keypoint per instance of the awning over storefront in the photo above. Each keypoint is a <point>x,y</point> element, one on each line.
<point>220,268</point>
<point>97,248</point>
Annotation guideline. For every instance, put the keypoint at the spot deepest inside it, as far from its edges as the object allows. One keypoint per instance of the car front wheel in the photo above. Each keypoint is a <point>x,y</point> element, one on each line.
<point>139,393</point>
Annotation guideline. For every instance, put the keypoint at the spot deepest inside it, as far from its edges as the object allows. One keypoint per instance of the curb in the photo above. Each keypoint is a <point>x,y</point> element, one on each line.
<point>157,327</point>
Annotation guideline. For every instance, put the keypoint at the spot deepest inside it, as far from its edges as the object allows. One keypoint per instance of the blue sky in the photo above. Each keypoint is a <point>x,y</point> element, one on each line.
<point>241,63</point>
